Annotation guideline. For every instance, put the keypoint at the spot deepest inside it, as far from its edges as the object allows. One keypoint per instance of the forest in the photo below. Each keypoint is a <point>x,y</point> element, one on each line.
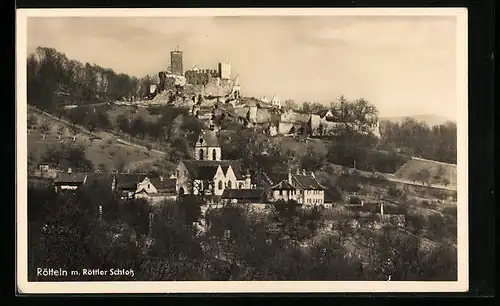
<point>93,228</point>
<point>54,80</point>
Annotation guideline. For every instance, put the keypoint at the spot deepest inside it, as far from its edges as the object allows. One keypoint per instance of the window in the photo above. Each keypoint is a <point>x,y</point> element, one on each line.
<point>240,185</point>
<point>201,139</point>
<point>220,185</point>
<point>201,154</point>
<point>214,154</point>
<point>149,186</point>
<point>229,184</point>
<point>280,192</point>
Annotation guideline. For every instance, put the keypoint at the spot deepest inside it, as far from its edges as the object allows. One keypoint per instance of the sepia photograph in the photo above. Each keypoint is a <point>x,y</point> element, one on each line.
<point>241,150</point>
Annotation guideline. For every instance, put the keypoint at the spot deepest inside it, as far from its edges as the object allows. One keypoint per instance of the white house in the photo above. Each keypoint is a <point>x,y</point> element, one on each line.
<point>300,186</point>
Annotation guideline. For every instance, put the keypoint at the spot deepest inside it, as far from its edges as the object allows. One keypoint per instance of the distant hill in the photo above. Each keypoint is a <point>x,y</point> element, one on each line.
<point>431,120</point>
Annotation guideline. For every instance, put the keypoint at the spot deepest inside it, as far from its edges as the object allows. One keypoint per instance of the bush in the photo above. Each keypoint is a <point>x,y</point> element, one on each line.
<point>395,192</point>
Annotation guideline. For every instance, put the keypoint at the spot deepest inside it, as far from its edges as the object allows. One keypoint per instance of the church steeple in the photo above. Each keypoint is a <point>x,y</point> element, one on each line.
<point>207,146</point>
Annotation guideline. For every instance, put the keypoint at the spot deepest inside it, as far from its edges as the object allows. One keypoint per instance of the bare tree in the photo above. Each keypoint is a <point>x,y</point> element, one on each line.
<point>60,131</point>
<point>44,128</point>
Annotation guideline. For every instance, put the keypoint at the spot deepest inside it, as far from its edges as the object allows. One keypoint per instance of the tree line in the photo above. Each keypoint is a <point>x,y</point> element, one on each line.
<point>438,142</point>
<point>93,228</point>
<point>53,79</point>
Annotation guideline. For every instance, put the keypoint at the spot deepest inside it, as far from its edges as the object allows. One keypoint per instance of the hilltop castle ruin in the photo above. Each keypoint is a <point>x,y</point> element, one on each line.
<point>208,82</point>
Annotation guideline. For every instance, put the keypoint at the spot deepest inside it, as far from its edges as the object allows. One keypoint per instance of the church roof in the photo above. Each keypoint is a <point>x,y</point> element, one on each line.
<point>206,169</point>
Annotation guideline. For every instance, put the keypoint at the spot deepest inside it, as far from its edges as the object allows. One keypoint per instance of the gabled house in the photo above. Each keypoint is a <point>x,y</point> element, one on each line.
<point>156,189</point>
<point>126,184</point>
<point>300,186</point>
<point>69,181</point>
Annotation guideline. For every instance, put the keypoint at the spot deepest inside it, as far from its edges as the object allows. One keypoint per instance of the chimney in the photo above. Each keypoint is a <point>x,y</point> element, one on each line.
<point>69,171</point>
<point>297,171</point>
<point>161,178</point>
<point>312,174</point>
<point>382,209</point>
<point>289,177</point>
<point>303,171</point>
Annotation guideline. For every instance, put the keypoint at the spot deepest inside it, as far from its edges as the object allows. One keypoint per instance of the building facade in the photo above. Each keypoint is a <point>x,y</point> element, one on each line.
<point>301,186</point>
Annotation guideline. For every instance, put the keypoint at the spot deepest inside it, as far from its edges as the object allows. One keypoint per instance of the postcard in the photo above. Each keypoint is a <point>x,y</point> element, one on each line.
<point>241,150</point>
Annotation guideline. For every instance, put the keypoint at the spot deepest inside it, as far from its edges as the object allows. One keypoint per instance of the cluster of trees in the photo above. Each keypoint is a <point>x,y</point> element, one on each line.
<point>415,138</point>
<point>89,117</point>
<point>68,155</point>
<point>174,126</point>
<point>53,78</point>
<point>93,228</point>
<point>256,152</point>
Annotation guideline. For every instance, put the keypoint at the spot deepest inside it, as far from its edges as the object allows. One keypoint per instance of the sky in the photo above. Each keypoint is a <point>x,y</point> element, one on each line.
<point>404,65</point>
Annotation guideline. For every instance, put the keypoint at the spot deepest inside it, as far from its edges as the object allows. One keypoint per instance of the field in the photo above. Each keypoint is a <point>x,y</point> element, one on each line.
<point>440,170</point>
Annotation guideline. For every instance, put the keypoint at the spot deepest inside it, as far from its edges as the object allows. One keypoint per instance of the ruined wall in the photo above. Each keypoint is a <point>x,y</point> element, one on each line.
<point>285,127</point>
<point>200,77</point>
<point>218,88</point>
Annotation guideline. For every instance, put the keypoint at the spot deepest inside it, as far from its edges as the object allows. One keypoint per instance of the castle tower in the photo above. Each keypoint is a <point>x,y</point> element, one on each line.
<point>225,71</point>
<point>176,62</point>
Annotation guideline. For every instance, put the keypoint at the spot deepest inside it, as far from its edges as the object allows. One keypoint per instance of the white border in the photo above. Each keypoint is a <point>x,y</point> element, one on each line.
<point>241,286</point>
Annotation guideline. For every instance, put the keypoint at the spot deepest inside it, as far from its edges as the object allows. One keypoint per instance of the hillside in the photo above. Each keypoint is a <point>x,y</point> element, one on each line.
<point>106,150</point>
<point>439,173</point>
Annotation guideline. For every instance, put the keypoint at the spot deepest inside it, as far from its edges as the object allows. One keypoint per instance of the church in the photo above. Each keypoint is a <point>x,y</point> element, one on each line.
<point>208,174</point>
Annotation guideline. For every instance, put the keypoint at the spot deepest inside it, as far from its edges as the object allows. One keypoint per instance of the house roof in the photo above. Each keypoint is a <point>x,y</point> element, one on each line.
<point>283,185</point>
<point>165,185</point>
<point>128,180</point>
<point>157,194</point>
<point>206,169</point>
<point>308,182</point>
<point>243,194</point>
<point>105,178</point>
<point>74,178</point>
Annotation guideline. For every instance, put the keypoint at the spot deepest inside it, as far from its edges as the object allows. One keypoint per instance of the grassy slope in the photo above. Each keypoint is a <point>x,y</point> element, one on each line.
<point>414,166</point>
<point>104,151</point>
